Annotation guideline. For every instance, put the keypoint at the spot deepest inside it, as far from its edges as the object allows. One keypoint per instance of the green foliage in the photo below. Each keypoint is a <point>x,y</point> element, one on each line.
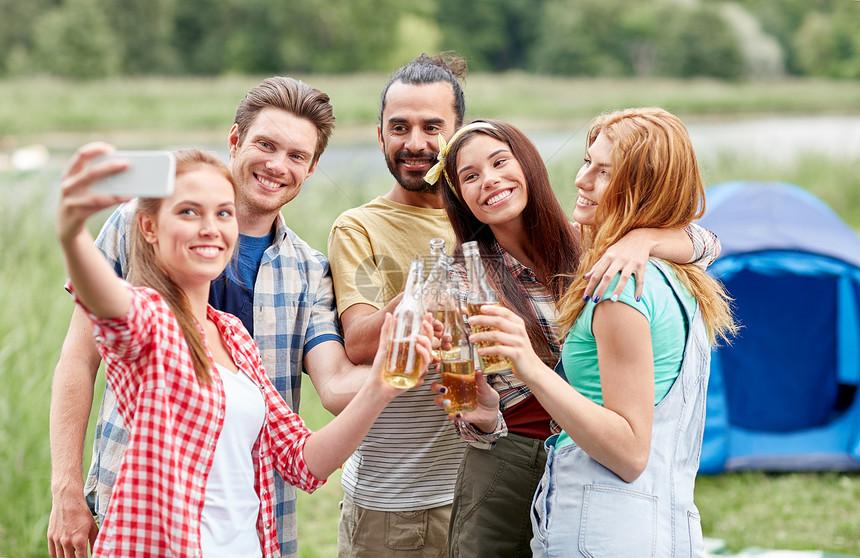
<point>75,40</point>
<point>146,30</point>
<point>756,39</point>
<point>698,42</point>
<point>416,33</point>
<point>492,35</point>
<point>636,37</point>
<point>581,38</point>
<point>16,32</point>
<point>352,36</point>
<point>829,45</point>
<point>782,19</point>
<point>285,36</point>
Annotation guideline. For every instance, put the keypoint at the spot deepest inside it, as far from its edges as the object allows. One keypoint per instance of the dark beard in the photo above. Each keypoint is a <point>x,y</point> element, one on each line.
<point>411,181</point>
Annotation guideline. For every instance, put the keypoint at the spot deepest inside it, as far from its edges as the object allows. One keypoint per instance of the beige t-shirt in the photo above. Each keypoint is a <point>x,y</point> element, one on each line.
<point>370,247</point>
<point>409,459</point>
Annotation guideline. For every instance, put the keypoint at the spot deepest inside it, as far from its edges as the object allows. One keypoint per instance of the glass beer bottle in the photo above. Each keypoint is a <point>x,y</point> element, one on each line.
<point>436,283</point>
<point>481,293</point>
<point>457,362</point>
<point>403,363</point>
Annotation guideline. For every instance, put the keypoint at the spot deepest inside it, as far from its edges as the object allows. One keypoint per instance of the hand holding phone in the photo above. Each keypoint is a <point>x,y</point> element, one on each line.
<point>150,174</point>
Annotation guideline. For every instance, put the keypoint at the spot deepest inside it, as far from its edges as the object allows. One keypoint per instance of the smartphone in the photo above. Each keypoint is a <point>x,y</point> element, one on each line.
<point>150,174</point>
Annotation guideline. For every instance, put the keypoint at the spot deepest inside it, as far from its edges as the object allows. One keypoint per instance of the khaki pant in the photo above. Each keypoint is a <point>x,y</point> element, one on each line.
<point>364,533</point>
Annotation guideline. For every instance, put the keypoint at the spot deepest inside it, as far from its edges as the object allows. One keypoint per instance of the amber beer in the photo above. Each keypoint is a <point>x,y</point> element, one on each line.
<point>403,364</point>
<point>449,347</point>
<point>491,364</point>
<point>458,377</point>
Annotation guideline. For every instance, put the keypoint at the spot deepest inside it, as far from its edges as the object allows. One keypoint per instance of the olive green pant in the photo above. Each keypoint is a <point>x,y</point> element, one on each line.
<point>493,498</point>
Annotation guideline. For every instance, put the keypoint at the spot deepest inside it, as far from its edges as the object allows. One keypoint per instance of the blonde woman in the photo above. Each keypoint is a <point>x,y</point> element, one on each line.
<point>207,428</point>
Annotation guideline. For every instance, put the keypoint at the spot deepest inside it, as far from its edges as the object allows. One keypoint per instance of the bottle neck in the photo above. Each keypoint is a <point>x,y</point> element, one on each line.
<point>480,290</point>
<point>413,288</point>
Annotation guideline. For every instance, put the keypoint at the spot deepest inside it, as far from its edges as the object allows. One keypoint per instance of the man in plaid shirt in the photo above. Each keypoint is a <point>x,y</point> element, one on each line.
<point>281,289</point>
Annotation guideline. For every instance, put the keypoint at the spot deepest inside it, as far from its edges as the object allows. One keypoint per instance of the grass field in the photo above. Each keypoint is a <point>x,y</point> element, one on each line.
<point>138,110</point>
<point>787,511</point>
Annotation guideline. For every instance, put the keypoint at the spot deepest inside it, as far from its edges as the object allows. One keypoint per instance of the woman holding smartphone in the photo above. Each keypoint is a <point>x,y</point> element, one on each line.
<point>207,428</point>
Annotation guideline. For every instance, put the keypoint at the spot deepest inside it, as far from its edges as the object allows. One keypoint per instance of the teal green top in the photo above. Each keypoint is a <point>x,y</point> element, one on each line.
<point>668,337</point>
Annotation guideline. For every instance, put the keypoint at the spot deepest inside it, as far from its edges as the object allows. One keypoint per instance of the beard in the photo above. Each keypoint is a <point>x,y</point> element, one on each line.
<point>411,181</point>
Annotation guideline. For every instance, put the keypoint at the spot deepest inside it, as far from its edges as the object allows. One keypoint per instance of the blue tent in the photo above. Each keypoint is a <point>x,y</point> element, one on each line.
<point>782,396</point>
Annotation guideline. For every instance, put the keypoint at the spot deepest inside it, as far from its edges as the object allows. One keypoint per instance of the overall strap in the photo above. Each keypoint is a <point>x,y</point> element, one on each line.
<point>689,313</point>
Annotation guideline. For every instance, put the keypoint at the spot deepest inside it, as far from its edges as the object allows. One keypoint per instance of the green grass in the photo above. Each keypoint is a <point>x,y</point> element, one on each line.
<point>34,316</point>
<point>792,511</point>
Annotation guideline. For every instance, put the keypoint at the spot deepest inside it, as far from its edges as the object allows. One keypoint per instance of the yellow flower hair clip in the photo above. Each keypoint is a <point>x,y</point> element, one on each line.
<point>432,176</point>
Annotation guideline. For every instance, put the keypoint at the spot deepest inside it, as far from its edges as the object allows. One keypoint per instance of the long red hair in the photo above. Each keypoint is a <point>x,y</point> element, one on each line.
<point>655,183</point>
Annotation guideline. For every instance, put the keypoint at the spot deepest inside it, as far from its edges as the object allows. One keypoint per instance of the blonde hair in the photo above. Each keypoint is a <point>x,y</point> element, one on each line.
<point>146,270</point>
<point>655,183</point>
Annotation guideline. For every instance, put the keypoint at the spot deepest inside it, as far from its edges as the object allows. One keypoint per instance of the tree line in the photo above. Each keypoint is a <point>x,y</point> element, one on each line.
<point>744,39</point>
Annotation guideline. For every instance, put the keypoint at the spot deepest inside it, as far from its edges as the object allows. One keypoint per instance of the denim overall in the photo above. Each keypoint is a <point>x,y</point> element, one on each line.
<point>582,508</point>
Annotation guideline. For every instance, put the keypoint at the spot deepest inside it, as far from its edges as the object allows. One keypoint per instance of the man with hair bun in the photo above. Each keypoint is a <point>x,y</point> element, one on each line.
<point>399,484</point>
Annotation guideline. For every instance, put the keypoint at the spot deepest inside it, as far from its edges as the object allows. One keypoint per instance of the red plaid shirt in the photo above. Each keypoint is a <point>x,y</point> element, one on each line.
<point>174,423</point>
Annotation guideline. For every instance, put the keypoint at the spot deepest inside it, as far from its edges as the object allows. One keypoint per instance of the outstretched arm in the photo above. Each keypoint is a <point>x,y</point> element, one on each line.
<point>71,526</point>
<point>328,448</point>
<point>336,379</point>
<point>95,283</point>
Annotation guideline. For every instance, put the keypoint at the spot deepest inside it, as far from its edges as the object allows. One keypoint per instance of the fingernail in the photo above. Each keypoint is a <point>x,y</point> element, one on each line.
<point>596,299</point>
<point>585,298</point>
<point>638,298</point>
<point>614,298</point>
<point>446,402</point>
<point>459,415</point>
<point>443,391</point>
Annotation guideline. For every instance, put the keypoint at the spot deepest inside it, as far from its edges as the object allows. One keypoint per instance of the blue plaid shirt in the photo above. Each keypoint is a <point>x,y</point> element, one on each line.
<point>294,310</point>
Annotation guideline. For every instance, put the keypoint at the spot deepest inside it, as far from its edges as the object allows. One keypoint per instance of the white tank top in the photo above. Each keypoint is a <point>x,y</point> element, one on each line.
<point>228,527</point>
